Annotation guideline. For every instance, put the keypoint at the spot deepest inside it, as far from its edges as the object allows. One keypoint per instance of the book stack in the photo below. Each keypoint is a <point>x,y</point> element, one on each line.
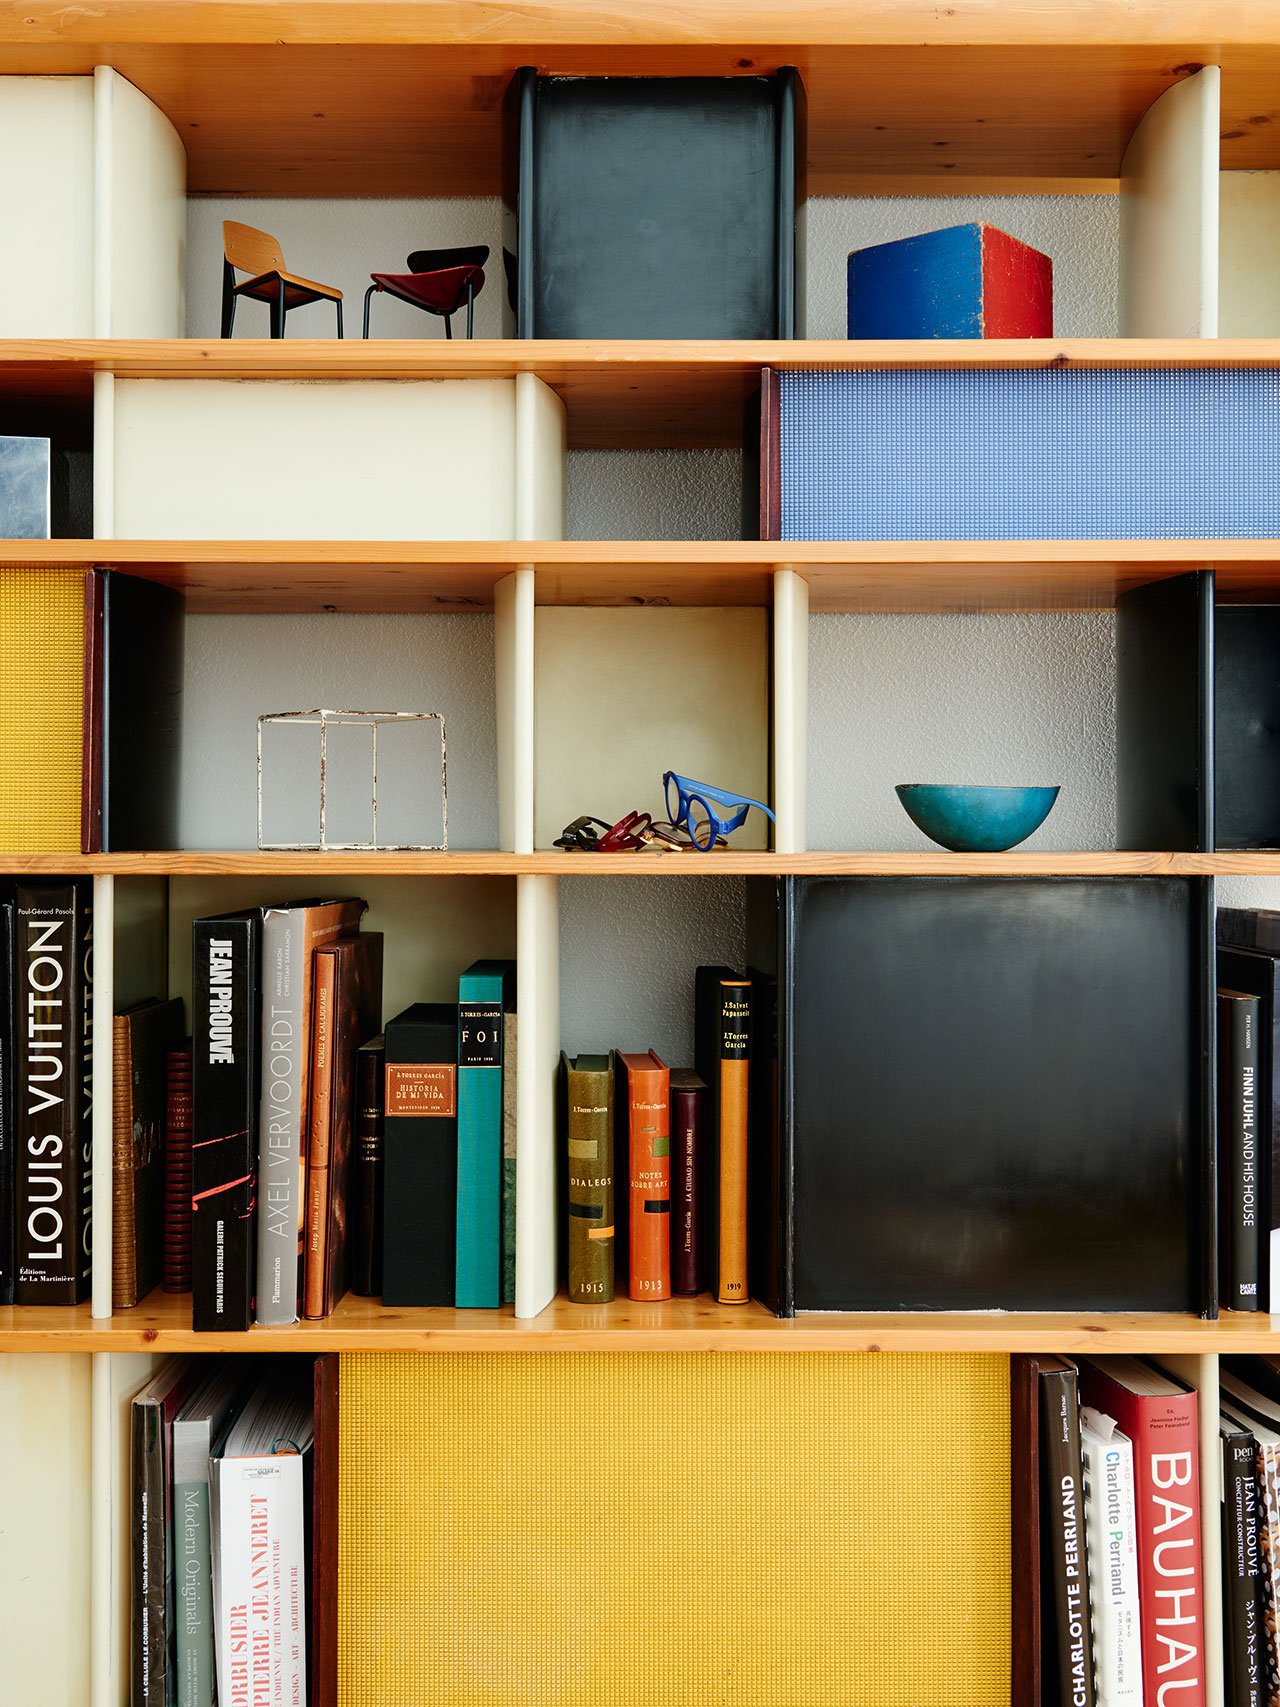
<point>329,1154</point>
<point>1111,1473</point>
<point>222,1503</point>
<point>657,1160</point>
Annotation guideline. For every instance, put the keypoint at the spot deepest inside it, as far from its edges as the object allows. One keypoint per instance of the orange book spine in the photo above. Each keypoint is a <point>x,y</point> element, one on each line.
<point>317,1153</point>
<point>732,1275</point>
<point>649,1129</point>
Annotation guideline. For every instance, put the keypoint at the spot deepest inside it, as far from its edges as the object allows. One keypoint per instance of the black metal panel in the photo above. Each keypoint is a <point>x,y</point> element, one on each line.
<point>649,207</point>
<point>999,1096</point>
<point>1247,726</point>
<point>142,715</point>
<point>1164,687</point>
<point>770,1165</point>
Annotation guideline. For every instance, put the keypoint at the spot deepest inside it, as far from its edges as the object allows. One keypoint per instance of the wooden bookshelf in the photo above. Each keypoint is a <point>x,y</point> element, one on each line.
<point>880,576</point>
<point>618,395</point>
<point>314,97</point>
<point>933,862</point>
<point>162,1324</point>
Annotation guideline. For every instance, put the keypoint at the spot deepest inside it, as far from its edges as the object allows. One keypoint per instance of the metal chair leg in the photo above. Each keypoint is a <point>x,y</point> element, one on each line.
<point>448,325</point>
<point>228,298</point>
<point>275,309</point>
<point>368,298</point>
<point>337,303</point>
<point>470,305</point>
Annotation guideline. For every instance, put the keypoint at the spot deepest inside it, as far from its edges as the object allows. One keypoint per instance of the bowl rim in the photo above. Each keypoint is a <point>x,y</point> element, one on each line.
<point>983,787</point>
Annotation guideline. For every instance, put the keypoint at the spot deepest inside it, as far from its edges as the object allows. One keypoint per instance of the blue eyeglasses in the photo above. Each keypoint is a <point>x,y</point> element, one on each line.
<point>706,812</point>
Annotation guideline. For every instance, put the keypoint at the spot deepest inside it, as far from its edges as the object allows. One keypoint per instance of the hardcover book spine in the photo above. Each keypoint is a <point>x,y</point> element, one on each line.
<point>478,1279</point>
<point>1112,1548</point>
<point>224,1003</point>
<point>8,1107</point>
<point>192,1564</point>
<point>649,1149</point>
<point>509,1035</point>
<point>420,1174</point>
<point>1064,1533</point>
<point>589,1170</point>
<point>366,1179</point>
<point>280,1152</point>
<point>1267,1491</point>
<point>735,1042</point>
<point>177,1170</point>
<point>687,1107</point>
<point>149,1650</point>
<point>1242,1573</point>
<point>1238,1086</point>
<point>324,994</point>
<point>261,1615</point>
<point>124,1225</point>
<point>53,1128</point>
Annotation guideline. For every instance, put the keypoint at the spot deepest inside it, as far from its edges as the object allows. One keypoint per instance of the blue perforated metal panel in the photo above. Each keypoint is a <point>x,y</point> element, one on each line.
<point>1046,453</point>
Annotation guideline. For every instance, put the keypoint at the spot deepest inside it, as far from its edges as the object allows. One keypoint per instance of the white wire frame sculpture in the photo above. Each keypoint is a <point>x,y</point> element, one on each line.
<point>373,721</point>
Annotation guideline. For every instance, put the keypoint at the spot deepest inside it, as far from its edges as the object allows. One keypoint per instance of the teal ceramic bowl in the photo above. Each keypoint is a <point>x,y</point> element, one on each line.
<point>972,818</point>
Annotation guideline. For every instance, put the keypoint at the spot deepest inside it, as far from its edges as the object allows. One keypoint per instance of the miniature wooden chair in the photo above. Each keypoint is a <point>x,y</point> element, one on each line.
<point>438,280</point>
<point>247,250</point>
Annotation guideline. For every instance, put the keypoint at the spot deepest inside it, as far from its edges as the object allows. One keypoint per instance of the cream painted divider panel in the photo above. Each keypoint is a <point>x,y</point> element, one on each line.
<point>624,695</point>
<point>342,459</point>
<point>47,207</point>
<point>141,187</point>
<point>790,710</point>
<point>538,1046</point>
<point>1169,215</point>
<point>45,1553</point>
<point>1249,254</point>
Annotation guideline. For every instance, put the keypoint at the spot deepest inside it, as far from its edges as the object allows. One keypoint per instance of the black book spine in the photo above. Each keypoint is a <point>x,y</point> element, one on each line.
<point>1243,1590</point>
<point>8,1107</point>
<point>148,1652</point>
<point>225,1015</point>
<point>1238,1088</point>
<point>1062,1534</point>
<point>54,1064</point>
<point>420,1157</point>
<point>366,1172</point>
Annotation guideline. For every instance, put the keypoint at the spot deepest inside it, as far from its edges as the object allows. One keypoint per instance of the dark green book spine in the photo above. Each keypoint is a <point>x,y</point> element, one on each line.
<point>588,1139</point>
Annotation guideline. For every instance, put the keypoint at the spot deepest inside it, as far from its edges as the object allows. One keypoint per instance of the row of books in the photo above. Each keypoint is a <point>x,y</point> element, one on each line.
<point>1248,973</point>
<point>330,1153</point>
<point>657,1160</point>
<point>1121,1572</point>
<point>221,1453</point>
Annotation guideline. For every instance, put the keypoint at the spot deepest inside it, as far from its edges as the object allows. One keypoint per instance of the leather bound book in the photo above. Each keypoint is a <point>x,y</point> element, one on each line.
<point>347,1010</point>
<point>141,1037</point>
<point>688,1137</point>
<point>290,937</point>
<point>644,1089</point>
<point>53,990</point>
<point>420,1148</point>
<point>226,1003</point>
<point>587,1104</point>
<point>178,1177</point>
<point>722,1042</point>
<point>366,1171</point>
<point>1160,1416</point>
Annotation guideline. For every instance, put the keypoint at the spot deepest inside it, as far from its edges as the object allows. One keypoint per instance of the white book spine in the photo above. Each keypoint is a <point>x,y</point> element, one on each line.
<point>262,1582</point>
<point>1111,1544</point>
<point>280,1119</point>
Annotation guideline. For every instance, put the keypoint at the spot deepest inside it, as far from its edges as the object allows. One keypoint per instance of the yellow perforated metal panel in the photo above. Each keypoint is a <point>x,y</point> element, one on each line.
<point>674,1530</point>
<point>41,708</point>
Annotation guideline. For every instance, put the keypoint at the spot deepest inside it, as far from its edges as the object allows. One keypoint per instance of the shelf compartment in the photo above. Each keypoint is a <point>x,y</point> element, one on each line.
<point>162,1324</point>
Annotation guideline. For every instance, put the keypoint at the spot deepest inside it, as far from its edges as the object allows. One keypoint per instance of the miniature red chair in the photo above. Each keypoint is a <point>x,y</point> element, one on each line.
<point>438,280</point>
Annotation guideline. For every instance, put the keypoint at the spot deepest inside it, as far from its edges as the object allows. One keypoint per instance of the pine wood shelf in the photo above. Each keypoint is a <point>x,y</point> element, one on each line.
<point>624,394</point>
<point>325,98</point>
<point>727,863</point>
<point>879,576</point>
<point>162,1323</point>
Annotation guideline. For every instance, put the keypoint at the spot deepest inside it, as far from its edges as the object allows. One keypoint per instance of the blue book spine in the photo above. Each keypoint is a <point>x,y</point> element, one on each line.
<point>481,1003</point>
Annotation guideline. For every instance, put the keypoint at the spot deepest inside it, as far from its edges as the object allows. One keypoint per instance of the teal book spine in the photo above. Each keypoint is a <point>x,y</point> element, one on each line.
<point>193,1569</point>
<point>484,996</point>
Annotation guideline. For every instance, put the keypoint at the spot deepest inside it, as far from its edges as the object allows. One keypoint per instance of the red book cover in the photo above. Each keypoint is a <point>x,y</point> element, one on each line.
<point>1160,1417</point>
<point>648,1102</point>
